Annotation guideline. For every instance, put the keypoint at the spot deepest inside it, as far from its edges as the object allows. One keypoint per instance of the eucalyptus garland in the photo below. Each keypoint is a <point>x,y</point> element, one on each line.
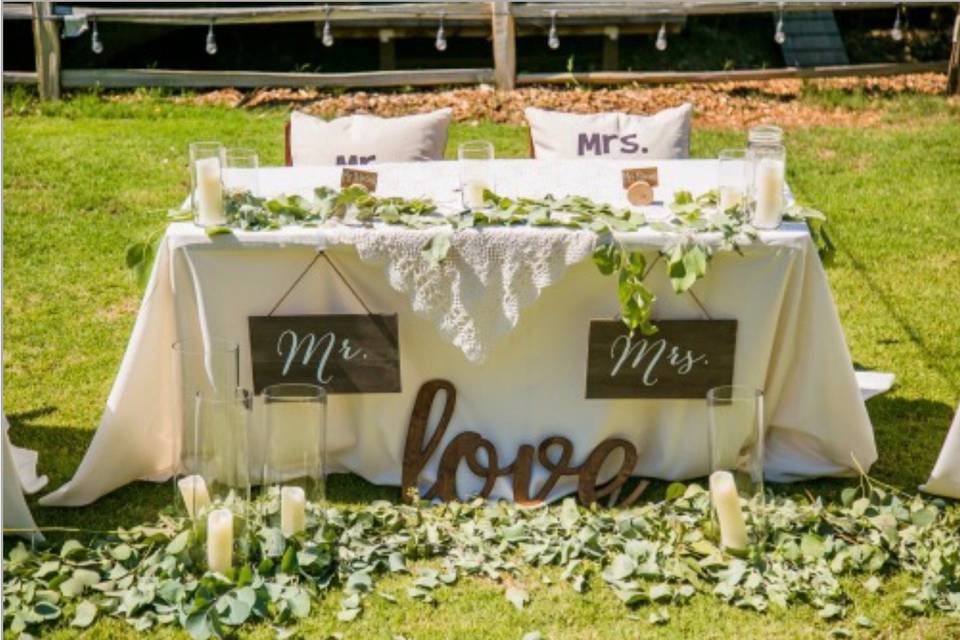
<point>656,554</point>
<point>686,255</point>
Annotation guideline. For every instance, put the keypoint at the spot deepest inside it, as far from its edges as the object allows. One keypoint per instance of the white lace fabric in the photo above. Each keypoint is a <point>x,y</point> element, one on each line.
<point>475,295</point>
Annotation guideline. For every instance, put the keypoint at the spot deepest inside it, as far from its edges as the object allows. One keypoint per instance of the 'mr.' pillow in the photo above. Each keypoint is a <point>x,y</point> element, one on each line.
<point>365,139</point>
<point>661,136</point>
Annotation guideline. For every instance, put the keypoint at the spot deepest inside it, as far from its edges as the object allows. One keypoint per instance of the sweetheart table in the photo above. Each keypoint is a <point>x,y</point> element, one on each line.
<point>509,329</point>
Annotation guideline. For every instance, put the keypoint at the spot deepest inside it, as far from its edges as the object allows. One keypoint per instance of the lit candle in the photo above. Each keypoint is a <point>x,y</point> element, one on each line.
<point>730,197</point>
<point>723,493</point>
<point>768,187</point>
<point>219,540</point>
<point>194,492</point>
<point>209,194</point>
<point>473,194</point>
<point>293,515</point>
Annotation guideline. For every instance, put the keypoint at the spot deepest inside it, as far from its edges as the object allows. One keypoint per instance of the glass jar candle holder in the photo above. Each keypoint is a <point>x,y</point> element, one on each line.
<point>206,186</point>
<point>209,368</point>
<point>736,446</point>
<point>241,169</point>
<point>295,465</point>
<point>731,179</point>
<point>767,159</point>
<point>476,172</point>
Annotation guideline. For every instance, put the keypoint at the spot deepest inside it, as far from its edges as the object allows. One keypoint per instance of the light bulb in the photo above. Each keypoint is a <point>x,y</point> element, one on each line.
<point>780,37</point>
<point>661,43</point>
<point>95,45</point>
<point>327,37</point>
<point>897,32</point>
<point>441,42</point>
<point>211,42</point>
<point>553,40</point>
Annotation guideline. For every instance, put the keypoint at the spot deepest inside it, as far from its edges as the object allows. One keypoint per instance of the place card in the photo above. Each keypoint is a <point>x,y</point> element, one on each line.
<point>649,175</point>
<point>350,177</point>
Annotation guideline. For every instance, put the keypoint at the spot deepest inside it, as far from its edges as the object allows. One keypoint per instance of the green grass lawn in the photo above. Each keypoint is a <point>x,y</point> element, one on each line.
<point>84,177</point>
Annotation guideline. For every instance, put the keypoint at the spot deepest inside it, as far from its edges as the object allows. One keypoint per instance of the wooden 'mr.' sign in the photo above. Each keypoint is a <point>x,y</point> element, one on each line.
<point>341,353</point>
<point>684,359</point>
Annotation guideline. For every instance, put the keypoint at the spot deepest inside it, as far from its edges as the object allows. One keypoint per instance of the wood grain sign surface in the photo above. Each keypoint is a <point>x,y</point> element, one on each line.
<point>683,360</point>
<point>341,353</point>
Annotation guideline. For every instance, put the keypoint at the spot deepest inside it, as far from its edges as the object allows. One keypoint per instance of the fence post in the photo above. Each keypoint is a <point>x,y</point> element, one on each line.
<point>504,44</point>
<point>46,48</point>
<point>953,68</point>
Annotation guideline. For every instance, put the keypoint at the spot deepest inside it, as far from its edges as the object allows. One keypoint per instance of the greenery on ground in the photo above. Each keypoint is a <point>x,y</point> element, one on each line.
<point>84,178</point>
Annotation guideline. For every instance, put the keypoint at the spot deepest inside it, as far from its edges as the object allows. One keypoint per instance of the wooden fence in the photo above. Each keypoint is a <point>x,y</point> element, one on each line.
<point>503,20</point>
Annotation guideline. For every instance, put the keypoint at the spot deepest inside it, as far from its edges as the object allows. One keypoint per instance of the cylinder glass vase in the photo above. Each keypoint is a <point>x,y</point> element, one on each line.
<point>209,368</point>
<point>295,424</point>
<point>736,435</point>
<point>222,427</point>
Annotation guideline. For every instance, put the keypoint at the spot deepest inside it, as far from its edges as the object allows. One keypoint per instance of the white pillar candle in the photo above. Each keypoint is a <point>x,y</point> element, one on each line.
<point>473,193</point>
<point>194,492</point>
<point>730,197</point>
<point>219,540</point>
<point>293,514</point>
<point>209,196</point>
<point>768,189</point>
<point>723,493</point>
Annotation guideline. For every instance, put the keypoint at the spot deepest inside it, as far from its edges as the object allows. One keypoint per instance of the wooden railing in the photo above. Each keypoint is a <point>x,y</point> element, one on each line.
<point>504,20</point>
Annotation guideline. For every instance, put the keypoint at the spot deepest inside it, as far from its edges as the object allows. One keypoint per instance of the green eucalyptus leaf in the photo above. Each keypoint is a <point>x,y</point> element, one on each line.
<point>85,614</point>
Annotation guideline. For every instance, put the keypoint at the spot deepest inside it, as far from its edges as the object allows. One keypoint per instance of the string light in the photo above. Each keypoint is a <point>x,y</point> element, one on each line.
<point>661,43</point>
<point>779,36</point>
<point>897,31</point>
<point>327,37</point>
<point>95,45</point>
<point>553,40</point>
<point>441,42</point>
<point>211,41</point>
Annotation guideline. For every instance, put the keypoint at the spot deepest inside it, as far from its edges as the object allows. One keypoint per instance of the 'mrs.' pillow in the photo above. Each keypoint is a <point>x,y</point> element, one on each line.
<point>664,135</point>
<point>363,139</point>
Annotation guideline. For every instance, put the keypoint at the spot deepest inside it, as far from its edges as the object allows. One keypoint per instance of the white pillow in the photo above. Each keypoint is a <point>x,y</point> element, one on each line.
<point>363,139</point>
<point>664,135</point>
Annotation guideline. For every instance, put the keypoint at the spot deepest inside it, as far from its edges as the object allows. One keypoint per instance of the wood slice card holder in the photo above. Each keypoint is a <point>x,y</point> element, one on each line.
<point>350,177</point>
<point>639,184</point>
<point>343,353</point>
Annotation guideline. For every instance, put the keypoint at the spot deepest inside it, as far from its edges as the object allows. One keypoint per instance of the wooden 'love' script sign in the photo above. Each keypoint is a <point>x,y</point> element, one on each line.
<point>341,353</point>
<point>684,359</point>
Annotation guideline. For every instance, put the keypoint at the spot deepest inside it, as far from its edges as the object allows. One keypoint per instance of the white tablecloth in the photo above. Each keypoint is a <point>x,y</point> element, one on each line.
<point>19,476</point>
<point>945,478</point>
<point>531,385</point>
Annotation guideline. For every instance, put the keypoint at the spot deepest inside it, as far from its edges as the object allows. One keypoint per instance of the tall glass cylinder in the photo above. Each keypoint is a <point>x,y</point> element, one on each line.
<point>736,462</point>
<point>241,168</point>
<point>209,368</point>
<point>476,172</point>
<point>295,423</point>
<point>736,435</point>
<point>222,425</point>
<point>206,186</point>
<point>767,158</point>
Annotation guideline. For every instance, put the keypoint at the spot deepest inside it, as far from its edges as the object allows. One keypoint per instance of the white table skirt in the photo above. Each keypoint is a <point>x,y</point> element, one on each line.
<point>790,344</point>
<point>19,477</point>
<point>945,478</point>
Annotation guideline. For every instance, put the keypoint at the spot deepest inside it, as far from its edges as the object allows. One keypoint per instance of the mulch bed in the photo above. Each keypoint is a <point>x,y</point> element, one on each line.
<point>722,105</point>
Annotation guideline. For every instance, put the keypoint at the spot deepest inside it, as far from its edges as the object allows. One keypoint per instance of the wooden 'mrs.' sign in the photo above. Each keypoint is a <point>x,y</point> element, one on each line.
<point>684,359</point>
<point>341,353</point>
